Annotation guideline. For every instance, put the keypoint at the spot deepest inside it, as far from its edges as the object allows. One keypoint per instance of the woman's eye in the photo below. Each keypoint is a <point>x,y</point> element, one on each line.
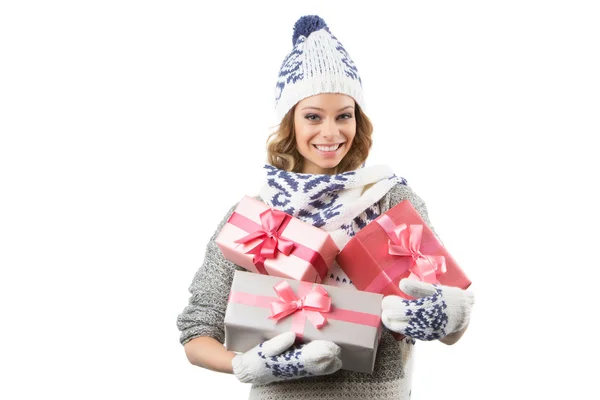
<point>345,116</point>
<point>312,117</point>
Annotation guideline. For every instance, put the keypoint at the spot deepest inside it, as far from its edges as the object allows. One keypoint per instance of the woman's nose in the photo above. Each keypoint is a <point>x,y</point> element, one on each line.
<point>330,130</point>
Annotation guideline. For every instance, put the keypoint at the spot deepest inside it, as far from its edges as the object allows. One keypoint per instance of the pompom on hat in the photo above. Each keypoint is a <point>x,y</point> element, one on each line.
<point>317,64</point>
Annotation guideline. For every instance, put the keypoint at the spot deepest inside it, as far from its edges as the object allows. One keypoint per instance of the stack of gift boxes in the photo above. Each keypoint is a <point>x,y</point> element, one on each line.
<point>287,259</point>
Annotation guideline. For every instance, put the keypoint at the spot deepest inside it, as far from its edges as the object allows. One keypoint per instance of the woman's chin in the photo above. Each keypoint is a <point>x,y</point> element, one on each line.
<point>329,166</point>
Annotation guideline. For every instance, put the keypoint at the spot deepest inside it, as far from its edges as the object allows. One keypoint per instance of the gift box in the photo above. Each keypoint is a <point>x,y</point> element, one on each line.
<point>398,245</point>
<point>271,242</point>
<point>261,307</point>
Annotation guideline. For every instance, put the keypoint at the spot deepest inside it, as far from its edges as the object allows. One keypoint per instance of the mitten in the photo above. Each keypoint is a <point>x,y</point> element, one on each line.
<point>437,311</point>
<point>276,359</point>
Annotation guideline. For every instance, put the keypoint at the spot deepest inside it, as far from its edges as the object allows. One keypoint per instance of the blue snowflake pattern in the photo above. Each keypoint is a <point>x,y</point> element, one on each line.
<point>325,188</point>
<point>290,70</point>
<point>287,365</point>
<point>349,68</point>
<point>428,317</point>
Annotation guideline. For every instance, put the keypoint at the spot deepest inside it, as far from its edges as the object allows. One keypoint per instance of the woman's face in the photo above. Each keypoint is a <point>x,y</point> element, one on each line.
<point>325,127</point>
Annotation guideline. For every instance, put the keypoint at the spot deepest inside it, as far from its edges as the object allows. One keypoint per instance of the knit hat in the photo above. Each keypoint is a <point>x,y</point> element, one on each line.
<point>317,64</point>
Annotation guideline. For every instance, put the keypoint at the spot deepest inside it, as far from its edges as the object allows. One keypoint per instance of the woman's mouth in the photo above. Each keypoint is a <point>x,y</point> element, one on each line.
<point>328,148</point>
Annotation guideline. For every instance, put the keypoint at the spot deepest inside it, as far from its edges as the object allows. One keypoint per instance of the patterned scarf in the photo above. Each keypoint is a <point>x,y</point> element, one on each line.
<point>341,204</point>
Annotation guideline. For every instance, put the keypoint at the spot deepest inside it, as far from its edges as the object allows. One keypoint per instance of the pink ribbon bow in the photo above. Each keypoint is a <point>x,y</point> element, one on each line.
<point>312,305</point>
<point>273,224</point>
<point>405,241</point>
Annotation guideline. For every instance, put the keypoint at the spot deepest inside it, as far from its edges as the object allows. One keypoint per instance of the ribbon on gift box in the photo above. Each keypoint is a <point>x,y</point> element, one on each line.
<point>273,224</point>
<point>310,302</point>
<point>269,232</point>
<point>314,303</point>
<point>405,241</point>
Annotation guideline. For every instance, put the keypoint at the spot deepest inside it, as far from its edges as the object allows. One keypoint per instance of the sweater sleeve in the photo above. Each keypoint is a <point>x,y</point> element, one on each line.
<point>402,192</point>
<point>205,312</point>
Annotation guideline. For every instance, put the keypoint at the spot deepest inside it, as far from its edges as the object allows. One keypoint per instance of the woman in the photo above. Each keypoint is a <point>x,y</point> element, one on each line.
<point>316,173</point>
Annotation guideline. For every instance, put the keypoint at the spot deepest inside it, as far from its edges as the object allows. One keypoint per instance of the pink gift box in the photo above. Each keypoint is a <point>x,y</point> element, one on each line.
<point>270,242</point>
<point>398,245</point>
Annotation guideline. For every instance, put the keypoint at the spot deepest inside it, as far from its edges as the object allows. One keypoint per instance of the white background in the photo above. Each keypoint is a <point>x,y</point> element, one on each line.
<point>128,128</point>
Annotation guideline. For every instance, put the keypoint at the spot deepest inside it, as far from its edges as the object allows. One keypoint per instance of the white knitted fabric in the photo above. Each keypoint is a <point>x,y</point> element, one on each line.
<point>437,310</point>
<point>341,204</point>
<point>318,63</point>
<point>276,360</point>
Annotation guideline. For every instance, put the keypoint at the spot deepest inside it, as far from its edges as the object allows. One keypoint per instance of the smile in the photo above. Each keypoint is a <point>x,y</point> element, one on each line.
<point>328,148</point>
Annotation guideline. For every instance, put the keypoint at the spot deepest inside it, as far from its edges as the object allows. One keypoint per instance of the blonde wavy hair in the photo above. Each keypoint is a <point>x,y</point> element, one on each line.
<point>283,154</point>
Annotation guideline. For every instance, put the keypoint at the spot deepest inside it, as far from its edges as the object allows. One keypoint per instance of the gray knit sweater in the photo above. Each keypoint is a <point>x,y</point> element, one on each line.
<point>206,310</point>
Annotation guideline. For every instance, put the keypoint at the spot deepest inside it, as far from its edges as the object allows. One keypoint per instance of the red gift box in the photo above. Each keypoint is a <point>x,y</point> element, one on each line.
<point>398,245</point>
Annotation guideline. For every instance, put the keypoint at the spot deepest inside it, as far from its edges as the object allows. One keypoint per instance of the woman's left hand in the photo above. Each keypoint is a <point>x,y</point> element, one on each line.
<point>437,311</point>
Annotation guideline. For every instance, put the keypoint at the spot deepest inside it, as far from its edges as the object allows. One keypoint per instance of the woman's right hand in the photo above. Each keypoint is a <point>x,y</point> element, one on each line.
<point>276,359</point>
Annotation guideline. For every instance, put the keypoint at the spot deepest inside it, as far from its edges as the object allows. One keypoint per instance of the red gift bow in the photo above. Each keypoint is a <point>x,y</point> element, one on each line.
<point>312,304</point>
<point>272,222</point>
<point>405,240</point>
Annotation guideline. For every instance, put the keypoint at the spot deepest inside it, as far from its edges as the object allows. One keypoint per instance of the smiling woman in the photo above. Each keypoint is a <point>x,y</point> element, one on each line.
<point>316,172</point>
<point>325,128</point>
<point>323,134</point>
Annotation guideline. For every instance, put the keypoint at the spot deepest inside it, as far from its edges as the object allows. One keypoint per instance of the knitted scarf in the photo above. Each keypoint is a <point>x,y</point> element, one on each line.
<point>341,204</point>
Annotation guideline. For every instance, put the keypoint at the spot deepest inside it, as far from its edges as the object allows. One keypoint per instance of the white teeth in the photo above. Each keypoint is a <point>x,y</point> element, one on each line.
<point>328,148</point>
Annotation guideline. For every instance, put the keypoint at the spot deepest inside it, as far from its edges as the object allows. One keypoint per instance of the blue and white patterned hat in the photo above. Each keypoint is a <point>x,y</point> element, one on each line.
<point>317,64</point>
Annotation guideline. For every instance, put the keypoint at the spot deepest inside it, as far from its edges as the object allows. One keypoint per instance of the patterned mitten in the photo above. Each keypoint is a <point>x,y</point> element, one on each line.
<point>274,360</point>
<point>437,311</point>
